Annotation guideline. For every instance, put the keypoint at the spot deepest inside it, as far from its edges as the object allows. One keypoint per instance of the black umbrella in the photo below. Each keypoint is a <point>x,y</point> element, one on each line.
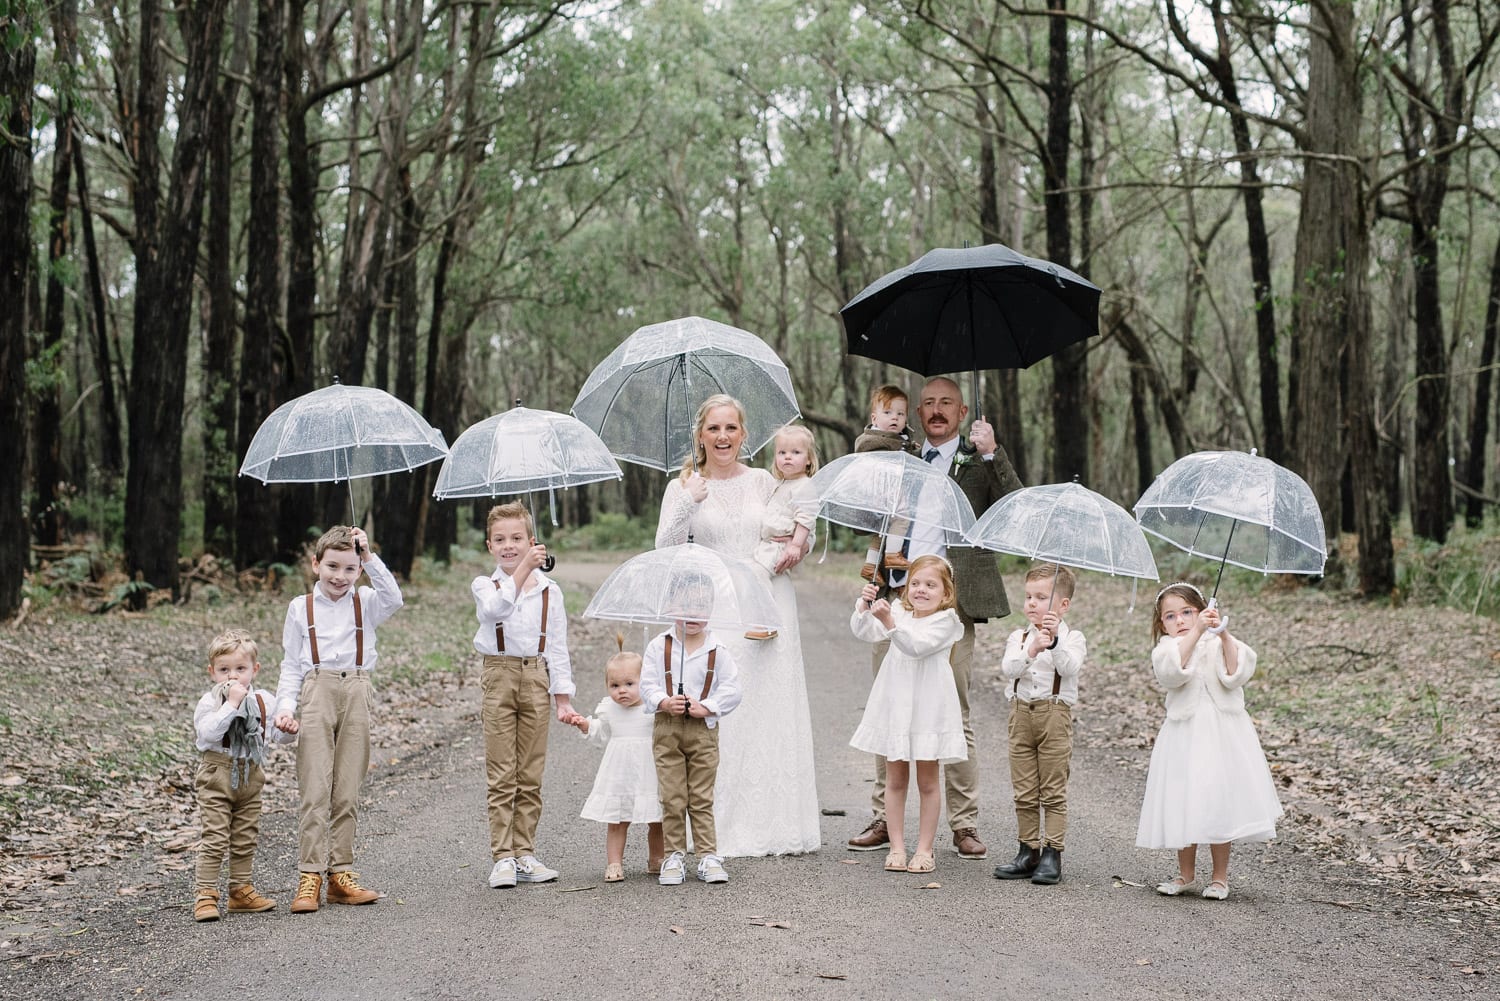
<point>971,309</point>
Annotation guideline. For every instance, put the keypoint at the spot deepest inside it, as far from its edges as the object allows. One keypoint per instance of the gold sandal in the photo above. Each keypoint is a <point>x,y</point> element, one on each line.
<point>895,861</point>
<point>922,862</point>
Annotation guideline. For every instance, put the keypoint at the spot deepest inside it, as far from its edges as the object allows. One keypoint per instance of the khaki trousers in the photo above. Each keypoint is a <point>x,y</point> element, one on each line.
<point>687,764</point>
<point>515,714</point>
<point>230,819</point>
<point>960,779</point>
<point>1041,752</point>
<point>333,754</point>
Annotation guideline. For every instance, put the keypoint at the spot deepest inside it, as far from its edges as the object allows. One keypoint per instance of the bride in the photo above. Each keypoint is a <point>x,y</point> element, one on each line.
<point>766,799</point>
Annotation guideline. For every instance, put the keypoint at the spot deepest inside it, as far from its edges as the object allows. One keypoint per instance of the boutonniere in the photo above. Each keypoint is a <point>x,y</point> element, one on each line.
<point>966,455</point>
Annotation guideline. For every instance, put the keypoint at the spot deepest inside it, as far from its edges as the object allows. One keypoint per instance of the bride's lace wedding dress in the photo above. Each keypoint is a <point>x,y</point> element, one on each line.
<point>766,799</point>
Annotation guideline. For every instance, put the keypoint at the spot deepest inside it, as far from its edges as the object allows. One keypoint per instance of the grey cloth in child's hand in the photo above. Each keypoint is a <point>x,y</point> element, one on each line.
<point>246,738</point>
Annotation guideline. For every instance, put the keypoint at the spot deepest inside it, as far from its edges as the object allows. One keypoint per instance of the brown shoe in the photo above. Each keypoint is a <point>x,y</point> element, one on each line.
<point>206,906</point>
<point>895,561</point>
<point>966,842</point>
<point>867,571</point>
<point>309,885</point>
<point>244,900</point>
<point>344,888</point>
<point>761,634</point>
<point>872,838</point>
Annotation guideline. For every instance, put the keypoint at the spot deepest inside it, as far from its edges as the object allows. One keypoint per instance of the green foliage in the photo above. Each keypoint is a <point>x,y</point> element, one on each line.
<point>130,592</point>
<point>100,512</point>
<point>610,532</point>
<point>1462,573</point>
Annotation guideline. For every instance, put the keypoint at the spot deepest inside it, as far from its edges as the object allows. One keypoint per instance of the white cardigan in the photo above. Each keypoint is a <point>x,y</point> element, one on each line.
<point>1204,676</point>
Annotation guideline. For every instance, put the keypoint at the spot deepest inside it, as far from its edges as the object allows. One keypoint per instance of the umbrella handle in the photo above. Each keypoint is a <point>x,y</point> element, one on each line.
<point>1223,619</point>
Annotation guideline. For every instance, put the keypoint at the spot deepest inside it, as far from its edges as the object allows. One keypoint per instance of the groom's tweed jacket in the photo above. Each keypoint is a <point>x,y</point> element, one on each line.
<point>981,593</point>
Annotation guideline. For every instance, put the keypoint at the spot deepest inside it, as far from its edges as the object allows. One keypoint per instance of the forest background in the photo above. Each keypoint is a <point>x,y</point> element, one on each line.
<point>209,209</point>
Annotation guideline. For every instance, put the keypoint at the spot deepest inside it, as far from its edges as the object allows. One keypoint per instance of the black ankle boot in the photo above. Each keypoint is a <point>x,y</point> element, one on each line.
<point>1049,868</point>
<point>1022,867</point>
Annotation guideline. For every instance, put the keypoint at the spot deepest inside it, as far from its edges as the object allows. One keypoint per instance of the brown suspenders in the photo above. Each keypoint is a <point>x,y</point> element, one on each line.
<point>708,678</point>
<point>359,632</point>
<point>541,643</point>
<point>1015,686</point>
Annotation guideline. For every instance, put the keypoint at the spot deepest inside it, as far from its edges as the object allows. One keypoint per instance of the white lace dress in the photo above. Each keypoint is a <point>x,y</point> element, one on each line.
<point>766,798</point>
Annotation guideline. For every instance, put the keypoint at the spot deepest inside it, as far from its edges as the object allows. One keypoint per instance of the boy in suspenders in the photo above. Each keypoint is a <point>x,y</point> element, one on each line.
<point>324,696</point>
<point>230,731</point>
<point>523,635</point>
<point>689,681</point>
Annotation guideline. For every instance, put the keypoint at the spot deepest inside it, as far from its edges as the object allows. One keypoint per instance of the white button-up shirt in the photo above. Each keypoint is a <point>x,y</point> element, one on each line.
<point>212,715</point>
<point>1032,678</point>
<point>521,615</point>
<point>689,670</point>
<point>335,622</point>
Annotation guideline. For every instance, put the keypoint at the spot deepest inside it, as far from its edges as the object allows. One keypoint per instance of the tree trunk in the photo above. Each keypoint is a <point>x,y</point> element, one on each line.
<point>1140,427</point>
<point>111,448</point>
<point>443,395</point>
<point>1070,426</point>
<point>401,527</point>
<point>218,379</point>
<point>1479,417</point>
<point>263,354</point>
<point>1332,245</point>
<point>17,72</point>
<point>47,518</point>
<point>166,258</point>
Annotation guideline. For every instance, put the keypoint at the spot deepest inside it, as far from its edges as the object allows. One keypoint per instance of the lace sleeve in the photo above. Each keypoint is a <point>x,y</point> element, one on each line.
<point>676,515</point>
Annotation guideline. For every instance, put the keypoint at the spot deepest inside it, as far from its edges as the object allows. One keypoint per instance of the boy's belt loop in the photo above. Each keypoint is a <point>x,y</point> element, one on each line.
<point>541,643</point>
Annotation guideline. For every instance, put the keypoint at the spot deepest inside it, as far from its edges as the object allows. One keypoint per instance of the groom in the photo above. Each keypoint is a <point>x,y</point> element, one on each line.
<point>984,473</point>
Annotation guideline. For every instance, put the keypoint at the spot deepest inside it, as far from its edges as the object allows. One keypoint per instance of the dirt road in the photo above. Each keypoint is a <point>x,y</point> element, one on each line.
<point>1293,928</point>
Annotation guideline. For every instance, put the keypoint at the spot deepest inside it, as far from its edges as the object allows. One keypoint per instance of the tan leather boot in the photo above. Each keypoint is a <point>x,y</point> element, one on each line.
<point>206,906</point>
<point>344,888</point>
<point>243,899</point>
<point>309,885</point>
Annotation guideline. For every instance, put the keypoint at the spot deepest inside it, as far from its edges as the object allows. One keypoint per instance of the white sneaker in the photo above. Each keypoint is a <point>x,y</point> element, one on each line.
<point>529,869</point>
<point>673,870</point>
<point>504,874</point>
<point>711,869</point>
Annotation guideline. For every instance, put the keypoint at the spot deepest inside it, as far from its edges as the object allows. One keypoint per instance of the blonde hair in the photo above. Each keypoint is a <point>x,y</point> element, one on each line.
<point>503,512</point>
<point>699,455</point>
<point>884,396</point>
<point>339,537</point>
<point>231,641</point>
<point>796,431</point>
<point>1182,589</point>
<point>1062,578</point>
<point>624,658</point>
<point>945,574</point>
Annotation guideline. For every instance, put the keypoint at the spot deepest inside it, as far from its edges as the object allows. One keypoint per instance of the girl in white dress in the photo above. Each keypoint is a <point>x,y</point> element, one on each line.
<point>766,796</point>
<point>1209,781</point>
<point>912,715</point>
<point>625,788</point>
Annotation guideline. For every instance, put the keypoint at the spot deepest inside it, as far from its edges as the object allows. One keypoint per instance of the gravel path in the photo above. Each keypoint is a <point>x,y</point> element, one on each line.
<point>1291,929</point>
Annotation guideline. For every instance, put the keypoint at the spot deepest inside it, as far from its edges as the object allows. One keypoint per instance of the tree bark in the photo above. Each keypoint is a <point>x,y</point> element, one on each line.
<point>47,517</point>
<point>1070,425</point>
<point>166,257</point>
<point>1479,416</point>
<point>17,73</point>
<point>264,356</point>
<point>111,447</point>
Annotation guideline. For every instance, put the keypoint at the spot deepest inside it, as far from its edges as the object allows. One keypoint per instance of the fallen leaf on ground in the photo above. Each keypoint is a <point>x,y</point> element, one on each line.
<point>930,886</point>
<point>771,924</point>
<point>1122,881</point>
<point>833,813</point>
<point>850,861</point>
<point>675,930</point>
<point>1143,962</point>
<point>833,976</point>
<point>576,889</point>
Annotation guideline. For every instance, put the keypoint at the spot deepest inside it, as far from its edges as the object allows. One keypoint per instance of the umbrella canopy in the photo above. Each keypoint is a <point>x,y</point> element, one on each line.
<point>1237,508</point>
<point>341,433</point>
<point>1066,523</point>
<point>866,490</point>
<point>521,451</point>
<point>955,310</point>
<point>687,582</point>
<point>642,398</point>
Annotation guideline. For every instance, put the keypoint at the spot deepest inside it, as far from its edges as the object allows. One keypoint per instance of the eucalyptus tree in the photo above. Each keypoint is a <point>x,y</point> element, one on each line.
<point>18,31</point>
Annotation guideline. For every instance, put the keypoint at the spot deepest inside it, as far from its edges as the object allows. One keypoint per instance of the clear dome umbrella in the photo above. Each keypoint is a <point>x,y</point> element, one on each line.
<point>689,582</point>
<point>642,398</point>
<point>341,433</point>
<point>867,491</point>
<point>1237,507</point>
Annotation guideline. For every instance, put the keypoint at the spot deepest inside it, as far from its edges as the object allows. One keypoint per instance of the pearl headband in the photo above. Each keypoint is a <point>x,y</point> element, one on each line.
<point>1179,583</point>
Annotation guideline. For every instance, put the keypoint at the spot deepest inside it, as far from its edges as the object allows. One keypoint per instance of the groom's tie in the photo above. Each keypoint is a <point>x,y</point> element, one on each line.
<point>898,577</point>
